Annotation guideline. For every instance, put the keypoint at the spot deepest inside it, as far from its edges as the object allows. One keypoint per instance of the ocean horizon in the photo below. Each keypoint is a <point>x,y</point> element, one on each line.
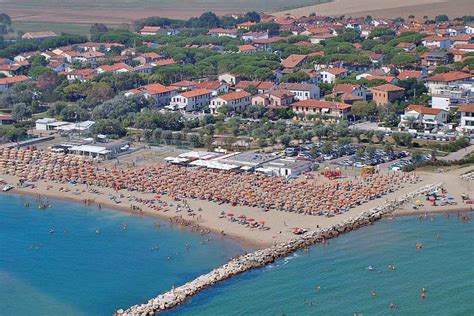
<point>75,271</point>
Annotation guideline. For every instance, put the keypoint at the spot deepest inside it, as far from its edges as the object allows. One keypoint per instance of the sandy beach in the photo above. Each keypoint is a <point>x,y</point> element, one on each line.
<point>280,223</point>
<point>208,214</point>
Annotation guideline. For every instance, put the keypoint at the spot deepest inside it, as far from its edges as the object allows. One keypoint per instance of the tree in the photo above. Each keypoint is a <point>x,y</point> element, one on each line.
<point>388,149</point>
<point>98,93</point>
<point>370,151</point>
<point>327,147</point>
<point>380,135</point>
<point>74,113</point>
<point>209,20</point>
<point>5,19</point>
<point>357,133</point>
<point>251,89</point>
<point>364,109</point>
<point>441,18</point>
<point>112,128</point>
<point>285,139</point>
<point>98,28</point>
<point>21,111</point>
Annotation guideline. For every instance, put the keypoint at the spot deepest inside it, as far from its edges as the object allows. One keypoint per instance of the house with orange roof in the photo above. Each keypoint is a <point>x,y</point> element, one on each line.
<point>352,89</point>
<point>245,25</point>
<point>462,39</point>
<point>408,47</point>
<point>423,117</point>
<point>6,119</point>
<point>161,94</point>
<point>80,74</point>
<point>184,85</point>
<point>252,36</point>
<point>294,60</point>
<point>153,30</point>
<point>465,47</point>
<point>280,98</point>
<point>330,109</point>
<point>386,93</point>
<point>115,68</point>
<point>220,32</point>
<point>302,91</point>
<point>451,78</point>
<point>147,58</point>
<point>236,101</point>
<point>7,83</point>
<point>436,41</point>
<point>164,62</point>
<point>466,125</point>
<point>216,86</point>
<point>247,49</point>
<point>330,75</point>
<point>193,100</point>
<point>411,74</point>
<point>266,44</point>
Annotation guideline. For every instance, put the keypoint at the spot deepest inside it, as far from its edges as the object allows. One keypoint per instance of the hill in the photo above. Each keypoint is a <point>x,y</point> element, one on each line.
<point>120,11</point>
<point>388,8</point>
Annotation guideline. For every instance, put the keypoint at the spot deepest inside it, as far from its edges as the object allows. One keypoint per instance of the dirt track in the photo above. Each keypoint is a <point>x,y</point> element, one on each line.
<point>388,8</point>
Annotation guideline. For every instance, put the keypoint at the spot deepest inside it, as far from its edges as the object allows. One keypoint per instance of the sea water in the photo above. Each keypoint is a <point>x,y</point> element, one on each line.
<point>74,271</point>
<point>91,265</point>
<point>444,267</point>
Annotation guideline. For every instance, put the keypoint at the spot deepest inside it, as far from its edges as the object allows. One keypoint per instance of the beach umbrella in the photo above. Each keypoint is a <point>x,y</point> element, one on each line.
<point>250,220</point>
<point>262,222</point>
<point>241,217</point>
<point>230,215</point>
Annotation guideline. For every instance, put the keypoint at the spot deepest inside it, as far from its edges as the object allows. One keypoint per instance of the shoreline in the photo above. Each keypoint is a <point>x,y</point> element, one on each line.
<point>452,210</point>
<point>179,295</point>
<point>245,243</point>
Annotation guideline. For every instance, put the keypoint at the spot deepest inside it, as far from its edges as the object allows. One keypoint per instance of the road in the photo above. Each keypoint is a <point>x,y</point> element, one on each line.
<point>459,154</point>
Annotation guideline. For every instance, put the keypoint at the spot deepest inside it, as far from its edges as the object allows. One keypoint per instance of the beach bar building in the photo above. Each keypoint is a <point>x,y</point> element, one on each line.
<point>101,152</point>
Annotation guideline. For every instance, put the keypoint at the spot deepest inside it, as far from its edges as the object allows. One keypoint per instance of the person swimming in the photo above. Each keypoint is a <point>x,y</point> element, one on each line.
<point>51,230</point>
<point>423,294</point>
<point>97,231</point>
<point>373,294</point>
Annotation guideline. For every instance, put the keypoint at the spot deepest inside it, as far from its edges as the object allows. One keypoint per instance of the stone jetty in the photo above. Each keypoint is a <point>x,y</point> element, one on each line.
<point>260,258</point>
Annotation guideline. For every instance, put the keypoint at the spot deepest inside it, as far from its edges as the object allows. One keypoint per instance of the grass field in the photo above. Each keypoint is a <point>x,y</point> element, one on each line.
<point>58,28</point>
<point>120,11</point>
<point>388,8</point>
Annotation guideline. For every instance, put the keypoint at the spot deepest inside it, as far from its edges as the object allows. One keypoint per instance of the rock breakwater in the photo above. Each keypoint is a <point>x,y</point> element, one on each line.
<point>260,258</point>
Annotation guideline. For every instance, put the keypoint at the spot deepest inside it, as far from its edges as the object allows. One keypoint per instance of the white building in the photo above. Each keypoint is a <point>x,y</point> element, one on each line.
<point>238,101</point>
<point>48,124</point>
<point>302,91</point>
<point>286,167</point>
<point>466,125</point>
<point>426,117</point>
<point>191,100</point>
<point>161,94</point>
<point>229,78</point>
<point>331,74</point>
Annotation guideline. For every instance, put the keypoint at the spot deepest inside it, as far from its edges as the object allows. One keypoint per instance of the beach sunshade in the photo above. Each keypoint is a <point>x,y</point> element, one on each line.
<point>241,217</point>
<point>250,220</point>
<point>230,215</point>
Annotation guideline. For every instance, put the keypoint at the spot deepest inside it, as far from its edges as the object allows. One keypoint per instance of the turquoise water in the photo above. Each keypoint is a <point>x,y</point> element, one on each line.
<point>74,271</point>
<point>444,267</point>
